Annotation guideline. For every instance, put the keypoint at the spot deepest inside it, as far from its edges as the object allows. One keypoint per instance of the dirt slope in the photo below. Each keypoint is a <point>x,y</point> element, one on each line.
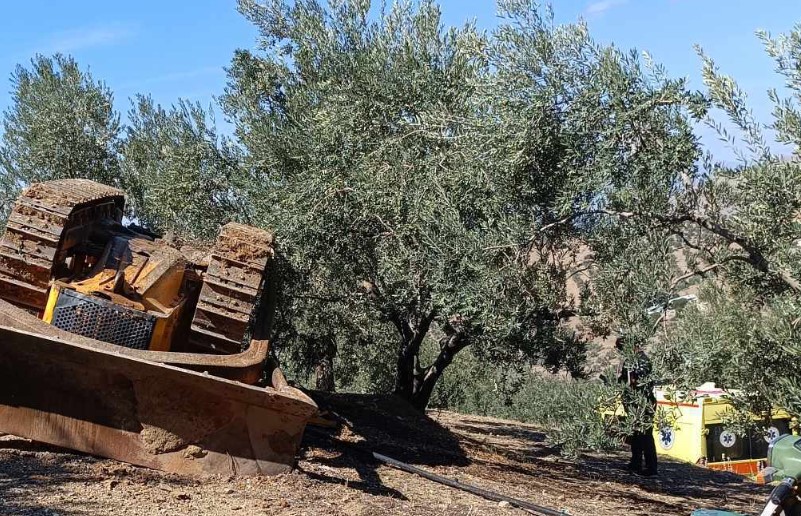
<point>335,475</point>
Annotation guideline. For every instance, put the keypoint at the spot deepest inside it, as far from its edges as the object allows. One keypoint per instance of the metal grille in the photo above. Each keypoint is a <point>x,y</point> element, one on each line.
<point>102,320</point>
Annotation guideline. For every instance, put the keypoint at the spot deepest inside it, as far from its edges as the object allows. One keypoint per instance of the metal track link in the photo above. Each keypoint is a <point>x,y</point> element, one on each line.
<point>38,229</point>
<point>231,287</point>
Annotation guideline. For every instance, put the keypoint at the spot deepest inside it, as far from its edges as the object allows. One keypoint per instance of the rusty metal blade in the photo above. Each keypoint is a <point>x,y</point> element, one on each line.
<point>96,399</point>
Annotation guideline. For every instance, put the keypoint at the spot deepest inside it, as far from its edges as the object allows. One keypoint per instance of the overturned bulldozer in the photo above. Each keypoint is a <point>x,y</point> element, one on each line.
<point>115,342</point>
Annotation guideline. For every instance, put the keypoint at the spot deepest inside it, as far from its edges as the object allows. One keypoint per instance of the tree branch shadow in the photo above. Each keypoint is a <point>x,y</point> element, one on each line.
<point>372,423</point>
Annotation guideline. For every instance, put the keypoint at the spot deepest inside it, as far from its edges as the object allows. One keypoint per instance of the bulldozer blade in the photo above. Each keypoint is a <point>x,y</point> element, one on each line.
<point>69,393</point>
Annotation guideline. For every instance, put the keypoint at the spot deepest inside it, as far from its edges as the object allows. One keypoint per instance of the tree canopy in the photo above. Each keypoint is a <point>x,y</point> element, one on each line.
<point>61,124</point>
<point>178,172</point>
<point>359,142</point>
<point>739,226</point>
<point>413,171</point>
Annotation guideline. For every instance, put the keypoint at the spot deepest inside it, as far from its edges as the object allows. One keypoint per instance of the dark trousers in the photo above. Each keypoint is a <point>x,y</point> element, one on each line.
<point>643,446</point>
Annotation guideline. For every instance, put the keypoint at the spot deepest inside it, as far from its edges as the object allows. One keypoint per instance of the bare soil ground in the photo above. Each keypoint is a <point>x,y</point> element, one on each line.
<point>336,475</point>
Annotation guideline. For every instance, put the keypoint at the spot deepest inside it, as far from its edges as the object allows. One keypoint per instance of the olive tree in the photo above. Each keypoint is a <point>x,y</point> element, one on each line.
<point>419,178</point>
<point>583,131</point>
<point>731,229</point>
<point>741,224</point>
<point>61,124</point>
<point>360,156</point>
<point>178,172</point>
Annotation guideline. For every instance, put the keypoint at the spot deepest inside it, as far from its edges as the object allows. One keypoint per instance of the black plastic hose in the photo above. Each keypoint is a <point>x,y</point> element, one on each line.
<point>484,493</point>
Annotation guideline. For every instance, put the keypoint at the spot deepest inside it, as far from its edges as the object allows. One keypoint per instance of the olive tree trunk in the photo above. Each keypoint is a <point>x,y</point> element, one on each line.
<point>414,383</point>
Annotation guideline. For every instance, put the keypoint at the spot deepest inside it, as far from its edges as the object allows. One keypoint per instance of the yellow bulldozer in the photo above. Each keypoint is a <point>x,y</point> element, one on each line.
<point>119,343</point>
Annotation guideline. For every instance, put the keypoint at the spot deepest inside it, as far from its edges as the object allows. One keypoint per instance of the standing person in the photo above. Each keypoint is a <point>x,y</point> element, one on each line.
<point>639,403</point>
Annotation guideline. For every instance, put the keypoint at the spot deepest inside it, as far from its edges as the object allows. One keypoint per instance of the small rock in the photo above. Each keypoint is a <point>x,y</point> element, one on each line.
<point>229,491</point>
<point>119,470</point>
<point>194,452</point>
<point>111,484</point>
<point>504,504</point>
<point>183,496</point>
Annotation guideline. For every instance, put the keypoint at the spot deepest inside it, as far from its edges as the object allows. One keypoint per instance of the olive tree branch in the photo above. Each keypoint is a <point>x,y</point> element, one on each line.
<point>754,255</point>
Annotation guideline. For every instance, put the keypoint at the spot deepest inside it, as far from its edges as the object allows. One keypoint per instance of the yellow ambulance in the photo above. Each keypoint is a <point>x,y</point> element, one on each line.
<point>694,431</point>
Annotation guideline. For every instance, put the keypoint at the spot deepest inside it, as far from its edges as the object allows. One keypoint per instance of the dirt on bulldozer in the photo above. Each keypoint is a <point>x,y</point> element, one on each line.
<point>113,343</point>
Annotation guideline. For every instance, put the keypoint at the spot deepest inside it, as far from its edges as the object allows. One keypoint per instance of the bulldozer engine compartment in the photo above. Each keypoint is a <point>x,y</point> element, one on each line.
<point>99,319</point>
<point>132,295</point>
<point>117,343</point>
<point>67,256</point>
<point>149,274</point>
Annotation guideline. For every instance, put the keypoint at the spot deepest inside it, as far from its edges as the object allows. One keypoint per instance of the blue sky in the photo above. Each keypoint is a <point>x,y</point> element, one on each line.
<point>174,49</point>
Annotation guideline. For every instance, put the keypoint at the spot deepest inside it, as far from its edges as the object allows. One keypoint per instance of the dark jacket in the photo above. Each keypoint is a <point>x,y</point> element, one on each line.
<point>639,400</point>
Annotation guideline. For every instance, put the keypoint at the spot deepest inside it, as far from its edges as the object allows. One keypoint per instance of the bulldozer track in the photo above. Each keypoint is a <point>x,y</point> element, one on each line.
<point>231,288</point>
<point>42,225</point>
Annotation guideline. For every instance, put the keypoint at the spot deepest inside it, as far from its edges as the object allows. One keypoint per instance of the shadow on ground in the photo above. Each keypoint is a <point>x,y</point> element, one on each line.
<point>382,424</point>
<point>605,475</point>
<point>388,425</point>
<point>502,429</point>
<point>511,457</point>
<point>29,469</point>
